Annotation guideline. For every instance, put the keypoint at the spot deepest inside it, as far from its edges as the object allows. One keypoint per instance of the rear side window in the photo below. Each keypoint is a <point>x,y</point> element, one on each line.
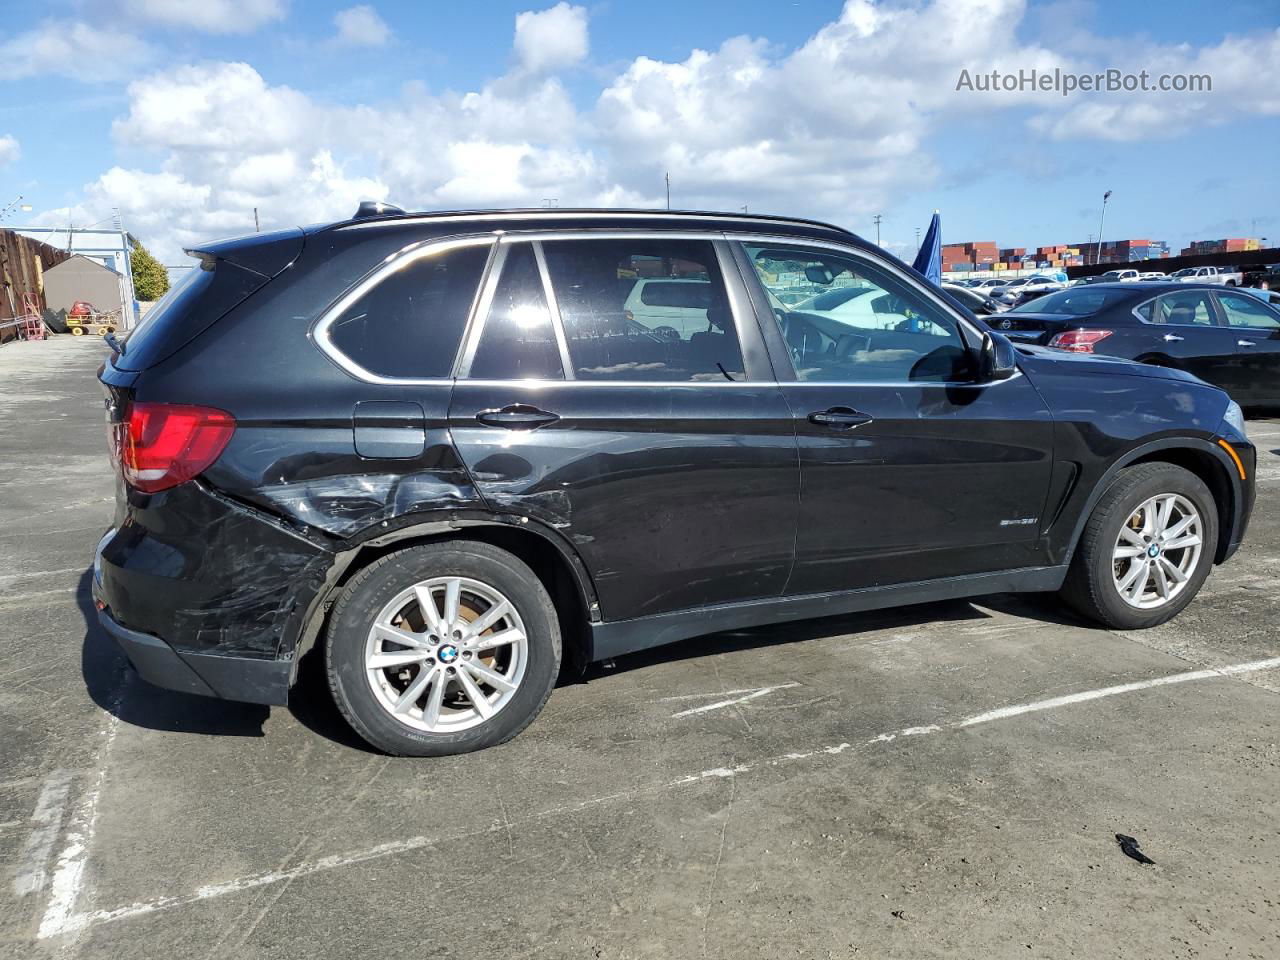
<point>410,324</point>
<point>1191,308</point>
<point>644,309</point>
<point>519,341</point>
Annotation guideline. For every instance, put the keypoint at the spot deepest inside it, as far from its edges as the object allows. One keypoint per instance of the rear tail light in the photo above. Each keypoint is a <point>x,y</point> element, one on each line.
<point>1078,341</point>
<point>160,445</point>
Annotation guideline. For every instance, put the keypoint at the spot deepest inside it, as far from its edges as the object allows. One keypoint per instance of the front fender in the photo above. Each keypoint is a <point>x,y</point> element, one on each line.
<point>1232,516</point>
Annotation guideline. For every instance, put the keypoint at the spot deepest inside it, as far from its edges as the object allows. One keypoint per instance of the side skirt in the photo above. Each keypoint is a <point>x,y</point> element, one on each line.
<point>613,639</point>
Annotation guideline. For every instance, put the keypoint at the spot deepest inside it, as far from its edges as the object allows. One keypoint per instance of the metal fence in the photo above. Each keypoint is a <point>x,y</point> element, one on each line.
<point>22,265</point>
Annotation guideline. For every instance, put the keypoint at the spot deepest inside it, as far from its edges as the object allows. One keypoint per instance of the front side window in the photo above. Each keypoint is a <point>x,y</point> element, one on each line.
<point>1184,309</point>
<point>518,341</point>
<point>868,325</point>
<point>1243,310</point>
<point>410,324</point>
<point>644,309</point>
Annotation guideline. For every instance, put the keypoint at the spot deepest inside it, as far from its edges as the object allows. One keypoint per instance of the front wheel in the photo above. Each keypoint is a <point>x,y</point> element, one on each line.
<point>443,648</point>
<point>1146,550</point>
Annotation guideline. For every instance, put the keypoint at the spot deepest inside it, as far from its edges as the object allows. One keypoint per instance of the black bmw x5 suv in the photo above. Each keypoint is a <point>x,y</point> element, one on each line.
<point>453,450</point>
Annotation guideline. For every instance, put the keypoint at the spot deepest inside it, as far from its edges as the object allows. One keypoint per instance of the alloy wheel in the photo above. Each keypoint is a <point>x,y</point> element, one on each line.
<point>1157,551</point>
<point>446,654</point>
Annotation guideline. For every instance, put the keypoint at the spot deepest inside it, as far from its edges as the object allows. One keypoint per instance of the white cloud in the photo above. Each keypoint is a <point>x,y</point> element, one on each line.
<point>1245,79</point>
<point>210,16</point>
<point>836,128</point>
<point>361,26</point>
<point>832,129</point>
<point>73,49</point>
<point>10,150</point>
<point>551,39</point>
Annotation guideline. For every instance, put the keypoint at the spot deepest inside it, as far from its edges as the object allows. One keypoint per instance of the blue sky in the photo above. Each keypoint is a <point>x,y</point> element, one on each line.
<point>186,116</point>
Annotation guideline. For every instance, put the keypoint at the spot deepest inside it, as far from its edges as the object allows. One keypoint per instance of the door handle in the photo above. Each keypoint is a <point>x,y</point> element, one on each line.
<point>1173,337</point>
<point>516,416</point>
<point>1245,343</point>
<point>839,418</point>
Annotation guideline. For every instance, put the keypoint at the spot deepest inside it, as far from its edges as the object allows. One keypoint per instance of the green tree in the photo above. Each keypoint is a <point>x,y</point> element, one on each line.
<point>150,279</point>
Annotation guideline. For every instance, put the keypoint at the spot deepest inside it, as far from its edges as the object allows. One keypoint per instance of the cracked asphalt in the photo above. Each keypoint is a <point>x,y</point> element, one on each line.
<point>935,781</point>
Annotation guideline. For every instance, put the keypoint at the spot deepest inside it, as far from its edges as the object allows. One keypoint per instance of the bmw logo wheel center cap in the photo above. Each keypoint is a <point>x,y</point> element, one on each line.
<point>447,653</point>
<point>1153,551</point>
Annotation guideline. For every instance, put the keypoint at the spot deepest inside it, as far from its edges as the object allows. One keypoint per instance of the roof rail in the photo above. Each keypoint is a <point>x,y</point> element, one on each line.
<point>388,212</point>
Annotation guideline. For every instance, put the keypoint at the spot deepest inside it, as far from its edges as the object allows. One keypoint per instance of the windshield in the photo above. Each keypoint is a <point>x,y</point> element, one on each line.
<point>1113,274</point>
<point>1073,303</point>
<point>1185,272</point>
<point>1021,281</point>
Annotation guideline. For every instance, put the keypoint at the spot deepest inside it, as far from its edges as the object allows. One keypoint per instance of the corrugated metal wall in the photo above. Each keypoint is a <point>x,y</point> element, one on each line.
<point>22,265</point>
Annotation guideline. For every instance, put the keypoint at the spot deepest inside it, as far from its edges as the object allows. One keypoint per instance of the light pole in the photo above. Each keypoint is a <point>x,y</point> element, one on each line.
<point>14,204</point>
<point>1097,257</point>
<point>878,217</point>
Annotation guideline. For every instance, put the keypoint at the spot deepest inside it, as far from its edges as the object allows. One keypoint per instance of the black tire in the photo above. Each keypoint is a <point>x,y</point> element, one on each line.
<point>1090,587</point>
<point>378,584</point>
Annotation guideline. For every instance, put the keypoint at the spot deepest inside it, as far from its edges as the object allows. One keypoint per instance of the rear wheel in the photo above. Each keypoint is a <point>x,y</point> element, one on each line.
<point>1146,550</point>
<point>443,648</point>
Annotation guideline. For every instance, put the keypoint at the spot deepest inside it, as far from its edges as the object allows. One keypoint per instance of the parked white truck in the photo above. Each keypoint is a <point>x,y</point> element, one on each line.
<point>1222,276</point>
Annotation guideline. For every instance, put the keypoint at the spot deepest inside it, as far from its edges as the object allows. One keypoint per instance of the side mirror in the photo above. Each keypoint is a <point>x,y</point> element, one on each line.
<point>997,359</point>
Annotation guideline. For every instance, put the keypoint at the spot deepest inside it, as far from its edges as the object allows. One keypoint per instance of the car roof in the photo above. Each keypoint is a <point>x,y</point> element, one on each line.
<point>594,218</point>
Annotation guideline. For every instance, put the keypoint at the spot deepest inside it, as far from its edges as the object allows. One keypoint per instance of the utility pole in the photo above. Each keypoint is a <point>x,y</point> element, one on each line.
<point>878,217</point>
<point>744,208</point>
<point>256,227</point>
<point>917,241</point>
<point>1097,258</point>
<point>667,178</point>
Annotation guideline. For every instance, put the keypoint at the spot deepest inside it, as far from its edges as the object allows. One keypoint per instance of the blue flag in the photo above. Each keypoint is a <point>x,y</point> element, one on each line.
<point>929,260</point>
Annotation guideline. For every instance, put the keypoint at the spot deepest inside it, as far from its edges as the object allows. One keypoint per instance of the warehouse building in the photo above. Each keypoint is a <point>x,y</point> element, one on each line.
<point>83,278</point>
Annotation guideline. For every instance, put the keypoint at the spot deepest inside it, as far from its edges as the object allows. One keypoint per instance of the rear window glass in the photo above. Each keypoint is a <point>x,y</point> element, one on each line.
<point>410,324</point>
<point>190,306</point>
<point>1076,302</point>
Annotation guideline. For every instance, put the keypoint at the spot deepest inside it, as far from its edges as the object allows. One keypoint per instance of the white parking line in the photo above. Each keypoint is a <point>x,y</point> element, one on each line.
<point>33,864</point>
<point>37,574</point>
<point>60,919</point>
<point>69,874</point>
<point>720,705</point>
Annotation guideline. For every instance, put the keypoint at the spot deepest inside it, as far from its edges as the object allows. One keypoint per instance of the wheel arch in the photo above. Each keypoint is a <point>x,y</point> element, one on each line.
<point>552,559</point>
<point>1201,457</point>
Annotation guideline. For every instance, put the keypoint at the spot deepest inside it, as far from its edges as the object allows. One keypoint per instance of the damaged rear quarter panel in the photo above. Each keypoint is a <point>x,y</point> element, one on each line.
<point>293,493</point>
<point>206,573</point>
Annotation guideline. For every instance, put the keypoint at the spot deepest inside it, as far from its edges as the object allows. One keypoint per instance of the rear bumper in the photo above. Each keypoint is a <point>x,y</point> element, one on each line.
<point>210,576</point>
<point>209,675</point>
<point>204,597</point>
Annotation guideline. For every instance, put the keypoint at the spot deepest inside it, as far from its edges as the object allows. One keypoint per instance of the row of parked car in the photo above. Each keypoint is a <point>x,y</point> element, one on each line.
<point>1229,337</point>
